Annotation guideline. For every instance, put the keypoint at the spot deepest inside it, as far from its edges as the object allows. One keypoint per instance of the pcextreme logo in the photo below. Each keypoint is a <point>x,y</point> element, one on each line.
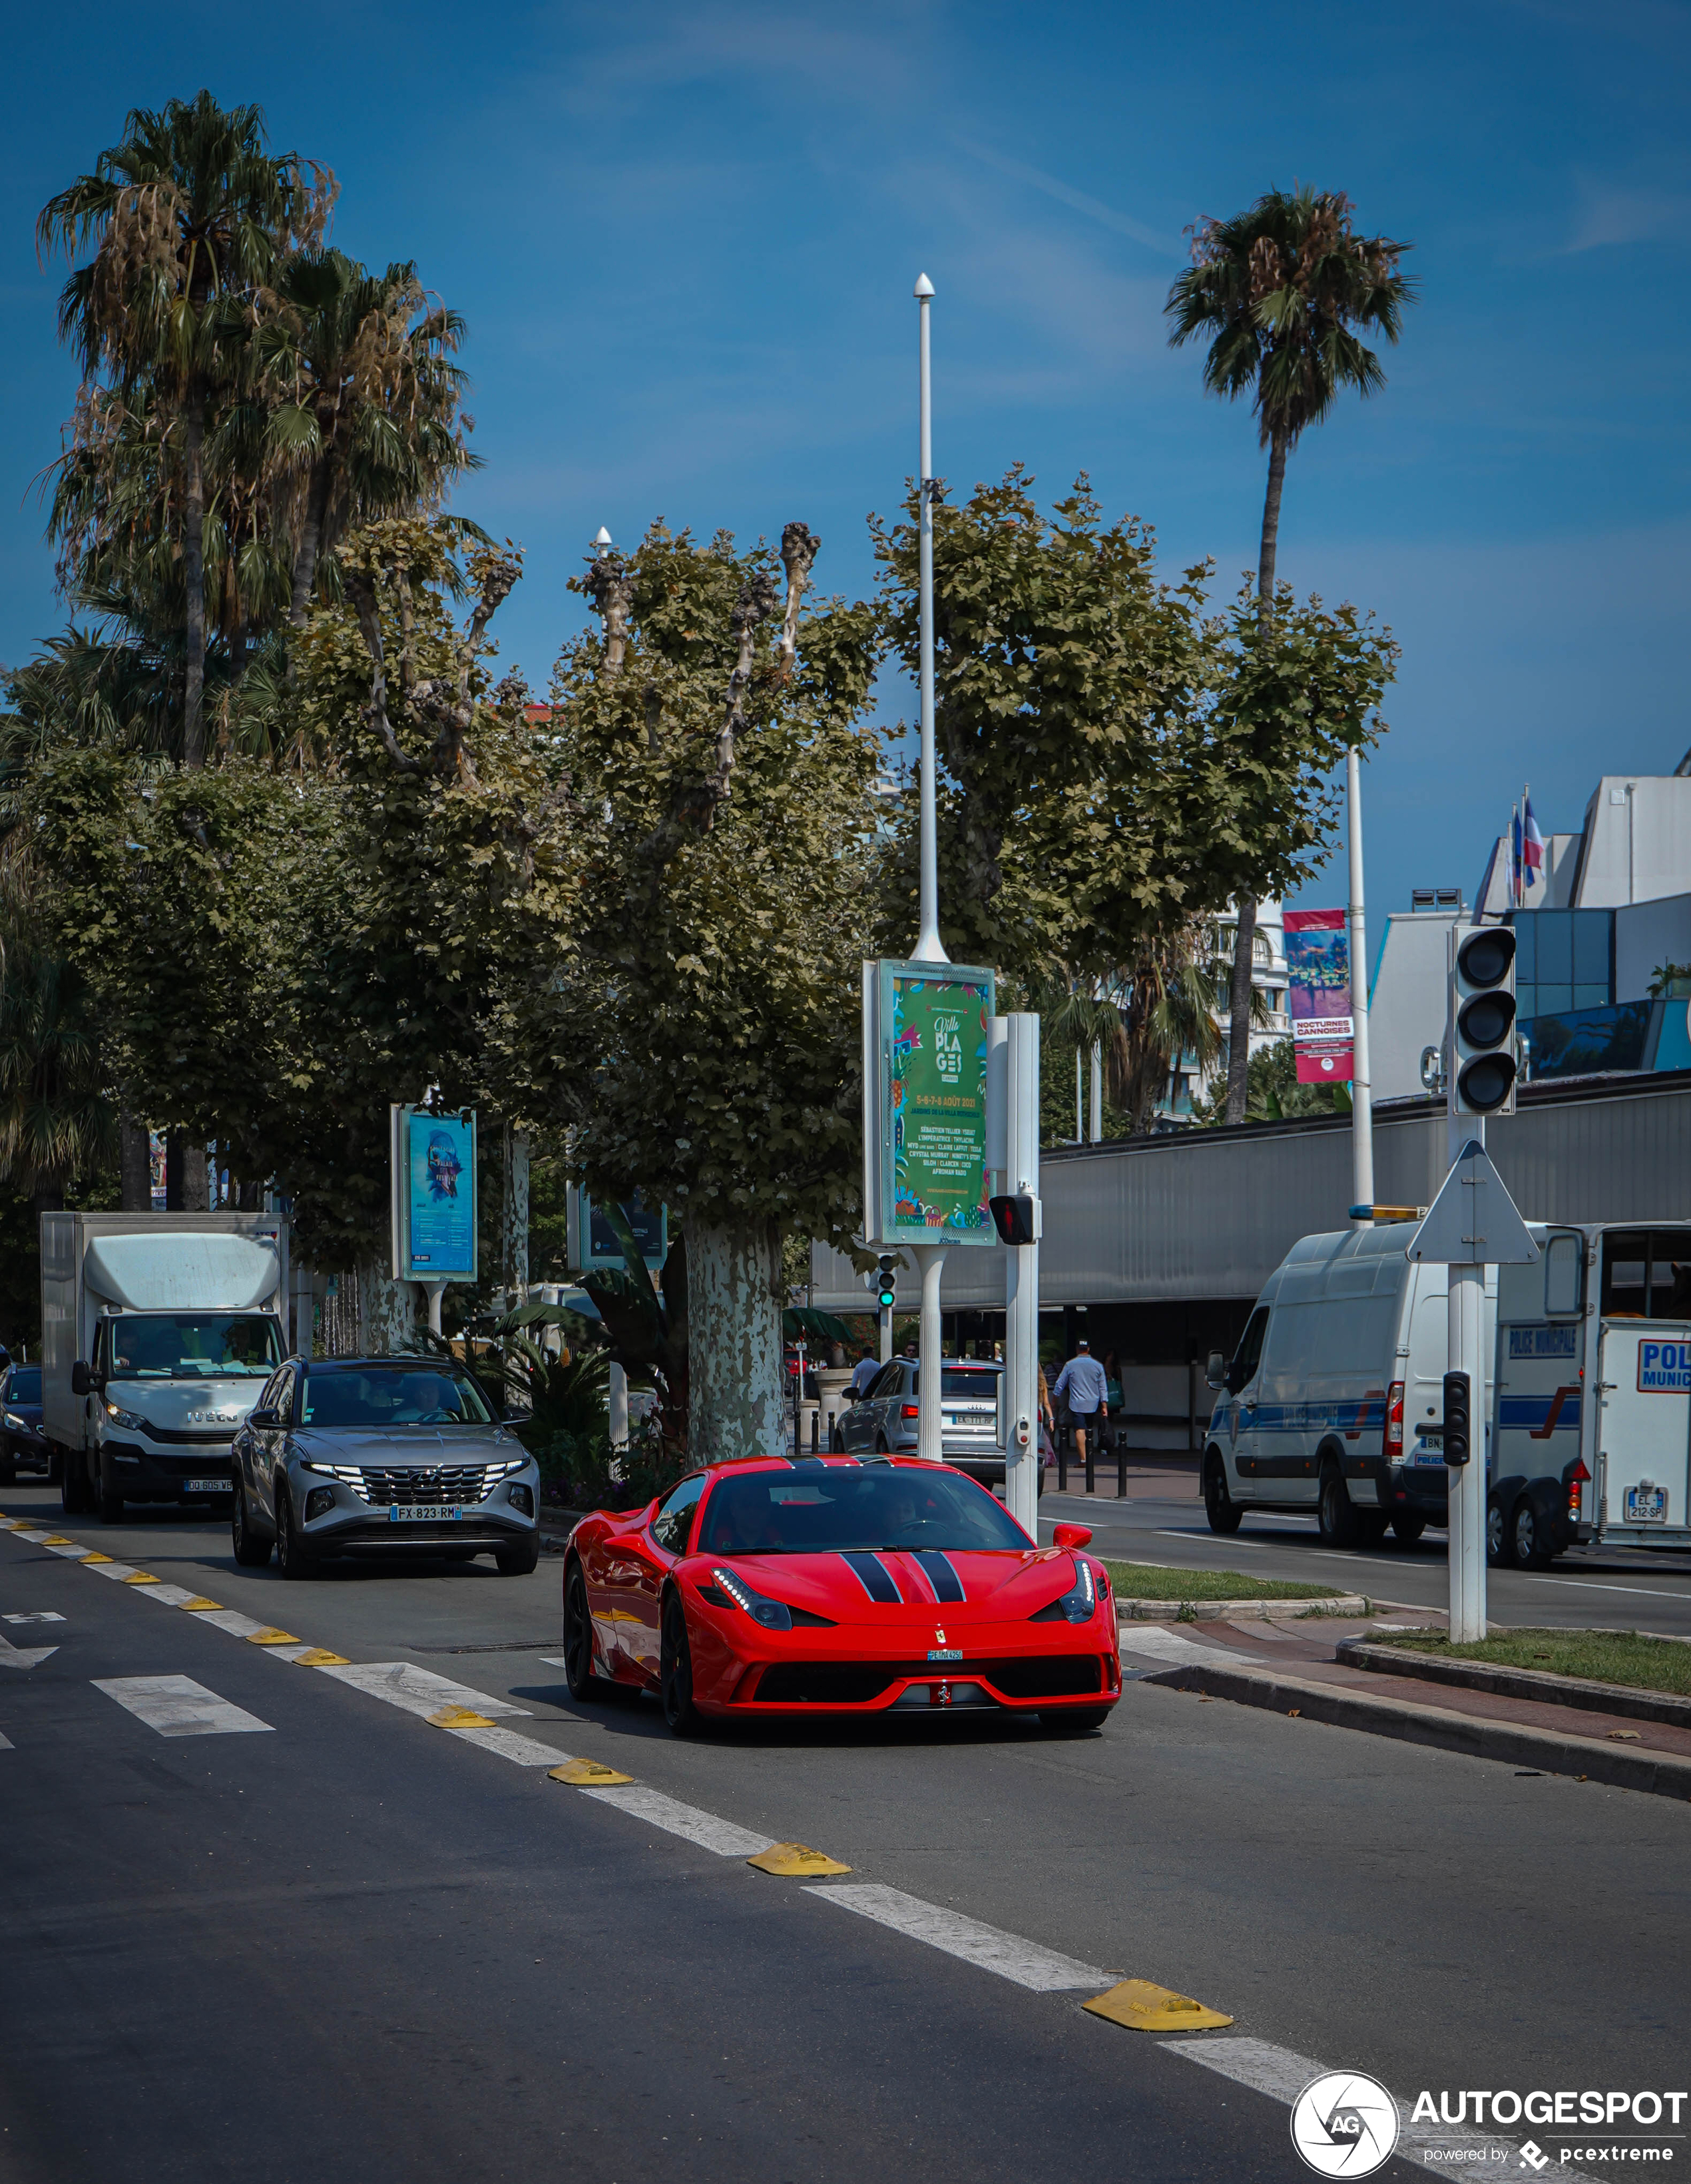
<point>1346,2124</point>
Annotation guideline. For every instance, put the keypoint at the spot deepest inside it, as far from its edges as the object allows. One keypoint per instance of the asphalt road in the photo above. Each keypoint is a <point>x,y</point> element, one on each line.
<point>355,1945</point>
<point>1163,1521</point>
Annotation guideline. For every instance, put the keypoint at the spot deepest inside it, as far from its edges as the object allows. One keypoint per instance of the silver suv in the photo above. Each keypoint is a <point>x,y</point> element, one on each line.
<point>387,1456</point>
<point>884,1420</point>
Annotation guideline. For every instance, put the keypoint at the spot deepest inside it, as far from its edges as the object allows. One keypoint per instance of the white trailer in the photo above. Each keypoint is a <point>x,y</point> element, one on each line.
<point>158,1332</point>
<point>1591,1430</point>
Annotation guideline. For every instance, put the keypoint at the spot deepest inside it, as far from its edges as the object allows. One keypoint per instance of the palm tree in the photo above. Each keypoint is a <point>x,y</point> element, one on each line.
<point>186,217</point>
<point>366,419</point>
<point>1279,289</point>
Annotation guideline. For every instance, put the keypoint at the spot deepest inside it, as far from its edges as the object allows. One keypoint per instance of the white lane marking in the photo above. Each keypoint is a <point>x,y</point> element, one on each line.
<point>176,1705</point>
<point>523,1751</point>
<point>6,1743</point>
<point>114,1569</point>
<point>73,1549</point>
<point>1043,1970</point>
<point>1160,1645</point>
<point>1282,2074</point>
<point>23,1656</point>
<point>37,1615</point>
<point>704,1829</point>
<point>168,1596</point>
<point>37,1537</point>
<point>1595,1585</point>
<point>226,1618</point>
<point>418,1690</point>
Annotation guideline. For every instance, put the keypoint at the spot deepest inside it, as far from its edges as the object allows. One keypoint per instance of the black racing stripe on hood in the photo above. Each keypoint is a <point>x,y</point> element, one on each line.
<point>875,1578</point>
<point>937,1569</point>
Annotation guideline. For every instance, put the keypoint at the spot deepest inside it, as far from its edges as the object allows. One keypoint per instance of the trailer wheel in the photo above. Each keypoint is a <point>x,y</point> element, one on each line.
<point>1496,1546</point>
<point>1528,1547</point>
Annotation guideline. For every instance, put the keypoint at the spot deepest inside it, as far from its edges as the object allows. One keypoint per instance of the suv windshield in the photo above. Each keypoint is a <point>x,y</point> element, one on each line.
<point>774,1513</point>
<point>169,1346</point>
<point>387,1395</point>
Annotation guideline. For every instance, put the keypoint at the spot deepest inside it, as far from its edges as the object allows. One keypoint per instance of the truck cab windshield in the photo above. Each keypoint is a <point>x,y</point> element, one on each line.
<point>191,1346</point>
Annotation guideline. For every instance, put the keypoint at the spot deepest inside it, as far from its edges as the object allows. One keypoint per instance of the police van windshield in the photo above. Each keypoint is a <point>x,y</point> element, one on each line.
<point>169,1346</point>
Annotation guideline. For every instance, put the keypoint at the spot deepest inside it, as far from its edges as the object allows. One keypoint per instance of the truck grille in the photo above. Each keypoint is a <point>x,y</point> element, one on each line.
<point>455,1483</point>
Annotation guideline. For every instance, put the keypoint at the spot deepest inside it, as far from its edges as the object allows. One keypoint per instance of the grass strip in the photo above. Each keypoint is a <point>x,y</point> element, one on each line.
<point>1600,1657</point>
<point>1150,1581</point>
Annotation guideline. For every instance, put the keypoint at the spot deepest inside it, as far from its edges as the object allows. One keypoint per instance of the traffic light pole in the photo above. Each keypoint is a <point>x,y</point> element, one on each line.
<point>1466,1550</point>
<point>1022,1452</point>
<point>1361,1088</point>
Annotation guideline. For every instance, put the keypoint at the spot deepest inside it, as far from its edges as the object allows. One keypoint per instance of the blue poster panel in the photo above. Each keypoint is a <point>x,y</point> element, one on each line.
<point>440,1175</point>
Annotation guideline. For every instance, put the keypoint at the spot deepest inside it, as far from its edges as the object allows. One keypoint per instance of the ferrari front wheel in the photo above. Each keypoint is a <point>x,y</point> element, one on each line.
<point>675,1672</point>
<point>577,1636</point>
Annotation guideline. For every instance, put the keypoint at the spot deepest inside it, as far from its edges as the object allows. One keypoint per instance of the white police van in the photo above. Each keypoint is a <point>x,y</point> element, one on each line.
<point>1333,1404</point>
<point>1605,1313</point>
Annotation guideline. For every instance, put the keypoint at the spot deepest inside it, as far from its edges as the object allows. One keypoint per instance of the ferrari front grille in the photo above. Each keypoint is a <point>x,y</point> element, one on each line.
<point>859,1683</point>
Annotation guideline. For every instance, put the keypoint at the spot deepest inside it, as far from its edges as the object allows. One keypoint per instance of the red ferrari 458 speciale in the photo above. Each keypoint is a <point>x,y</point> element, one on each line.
<point>829,1586</point>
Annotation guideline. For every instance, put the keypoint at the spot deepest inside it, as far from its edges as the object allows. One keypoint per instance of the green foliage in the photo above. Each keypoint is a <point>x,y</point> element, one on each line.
<point>1273,1092</point>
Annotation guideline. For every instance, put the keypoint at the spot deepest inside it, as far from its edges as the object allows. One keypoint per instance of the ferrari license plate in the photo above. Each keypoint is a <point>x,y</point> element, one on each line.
<point>1646,1505</point>
<point>207,1486</point>
<point>426,1512</point>
<point>944,1653</point>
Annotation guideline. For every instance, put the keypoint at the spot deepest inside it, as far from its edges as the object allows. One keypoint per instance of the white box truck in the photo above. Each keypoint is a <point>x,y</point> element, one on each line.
<point>158,1332</point>
<point>1333,1403</point>
<point>1604,1314</point>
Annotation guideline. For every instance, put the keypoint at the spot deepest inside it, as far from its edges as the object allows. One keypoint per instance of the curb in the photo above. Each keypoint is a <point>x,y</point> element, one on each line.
<point>1657,1773</point>
<point>1538,1684</point>
<point>1217,1611</point>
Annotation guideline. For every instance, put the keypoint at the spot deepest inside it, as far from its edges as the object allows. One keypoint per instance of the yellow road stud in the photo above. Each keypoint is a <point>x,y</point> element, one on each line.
<point>271,1636</point>
<point>318,1656</point>
<point>198,1604</point>
<point>58,1540</point>
<point>1144,2007</point>
<point>586,1774</point>
<point>461,1718</point>
<point>797,1862</point>
<point>139,1577</point>
<point>86,1559</point>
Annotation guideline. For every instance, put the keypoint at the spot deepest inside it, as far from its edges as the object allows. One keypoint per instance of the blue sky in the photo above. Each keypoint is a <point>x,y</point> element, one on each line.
<point>683,237</point>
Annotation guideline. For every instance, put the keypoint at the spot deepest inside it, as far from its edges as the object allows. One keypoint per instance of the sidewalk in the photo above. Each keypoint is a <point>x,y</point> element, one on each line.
<point>1293,1670</point>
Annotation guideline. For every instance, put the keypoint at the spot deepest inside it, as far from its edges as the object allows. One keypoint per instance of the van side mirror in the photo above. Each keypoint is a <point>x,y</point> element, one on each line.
<point>1215,1372</point>
<point>82,1379</point>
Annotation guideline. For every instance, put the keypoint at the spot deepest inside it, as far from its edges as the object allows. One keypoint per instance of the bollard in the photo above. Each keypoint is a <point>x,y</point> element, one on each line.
<point>1120,1466</point>
<point>1063,1459</point>
<point>1091,1459</point>
<point>816,1430</point>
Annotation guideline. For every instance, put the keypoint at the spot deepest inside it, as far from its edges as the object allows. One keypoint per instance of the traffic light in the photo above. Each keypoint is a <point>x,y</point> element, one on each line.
<point>888,1279</point>
<point>1457,1445</point>
<point>1483,1022</point>
<point>1016,1217</point>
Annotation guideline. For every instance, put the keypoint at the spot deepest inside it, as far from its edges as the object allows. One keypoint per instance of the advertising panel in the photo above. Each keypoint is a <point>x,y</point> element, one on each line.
<point>1318,998</point>
<point>434,1195</point>
<point>924,1119</point>
<point>591,1242</point>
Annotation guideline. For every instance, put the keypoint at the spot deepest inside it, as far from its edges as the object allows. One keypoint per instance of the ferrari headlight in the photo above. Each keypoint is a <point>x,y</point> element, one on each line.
<point>772,1614</point>
<point>1079,1604</point>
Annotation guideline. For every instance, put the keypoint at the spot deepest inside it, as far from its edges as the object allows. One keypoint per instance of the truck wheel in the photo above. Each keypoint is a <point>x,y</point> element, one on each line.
<point>1496,1543</point>
<point>1407,1528</point>
<point>1218,1505</point>
<point>111,1503</point>
<point>1527,1548</point>
<point>1336,1513</point>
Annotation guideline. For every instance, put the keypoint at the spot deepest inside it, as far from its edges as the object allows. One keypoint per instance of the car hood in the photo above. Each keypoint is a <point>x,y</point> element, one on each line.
<point>426,1448</point>
<point>194,1406</point>
<point>894,1586</point>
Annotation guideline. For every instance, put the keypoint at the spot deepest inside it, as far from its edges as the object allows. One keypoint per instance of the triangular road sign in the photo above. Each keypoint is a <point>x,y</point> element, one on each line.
<point>1473,1221</point>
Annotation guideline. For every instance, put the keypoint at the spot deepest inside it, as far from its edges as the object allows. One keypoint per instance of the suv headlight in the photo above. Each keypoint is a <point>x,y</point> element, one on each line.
<point>127,1419</point>
<point>1079,1604</point>
<point>12,1419</point>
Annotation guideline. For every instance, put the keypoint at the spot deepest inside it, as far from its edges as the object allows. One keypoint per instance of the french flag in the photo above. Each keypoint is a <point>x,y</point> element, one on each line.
<point>1532,850</point>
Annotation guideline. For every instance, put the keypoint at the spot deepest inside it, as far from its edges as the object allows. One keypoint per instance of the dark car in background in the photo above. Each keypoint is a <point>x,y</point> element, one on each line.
<point>21,1441</point>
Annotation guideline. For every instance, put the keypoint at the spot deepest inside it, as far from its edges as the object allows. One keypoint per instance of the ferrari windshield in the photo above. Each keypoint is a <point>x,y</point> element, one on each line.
<point>763,1513</point>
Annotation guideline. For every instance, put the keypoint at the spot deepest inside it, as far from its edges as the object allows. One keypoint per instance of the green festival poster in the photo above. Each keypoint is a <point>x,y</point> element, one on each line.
<point>937,1094</point>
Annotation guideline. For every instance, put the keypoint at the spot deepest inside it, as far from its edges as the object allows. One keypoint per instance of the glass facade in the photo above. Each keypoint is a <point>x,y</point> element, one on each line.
<point>1565,960</point>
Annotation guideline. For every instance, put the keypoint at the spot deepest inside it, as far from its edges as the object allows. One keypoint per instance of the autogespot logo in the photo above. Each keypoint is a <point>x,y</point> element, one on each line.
<point>1344,2125</point>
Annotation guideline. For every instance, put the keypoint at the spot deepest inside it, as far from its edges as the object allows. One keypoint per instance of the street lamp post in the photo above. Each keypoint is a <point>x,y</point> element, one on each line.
<point>1361,1089</point>
<point>929,948</point>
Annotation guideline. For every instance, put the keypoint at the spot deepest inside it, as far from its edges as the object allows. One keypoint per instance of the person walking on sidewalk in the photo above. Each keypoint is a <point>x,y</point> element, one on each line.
<point>868,1368</point>
<point>1082,1384</point>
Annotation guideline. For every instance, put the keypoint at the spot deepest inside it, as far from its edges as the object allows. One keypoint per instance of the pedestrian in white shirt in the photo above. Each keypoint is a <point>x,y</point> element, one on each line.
<point>1082,1384</point>
<point>868,1365</point>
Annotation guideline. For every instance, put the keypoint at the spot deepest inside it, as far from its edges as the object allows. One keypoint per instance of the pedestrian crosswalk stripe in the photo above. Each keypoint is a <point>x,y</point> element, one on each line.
<point>176,1705</point>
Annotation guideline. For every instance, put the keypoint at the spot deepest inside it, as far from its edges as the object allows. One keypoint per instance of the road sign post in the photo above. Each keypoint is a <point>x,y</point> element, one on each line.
<point>1471,1224</point>
<point>1012,1154</point>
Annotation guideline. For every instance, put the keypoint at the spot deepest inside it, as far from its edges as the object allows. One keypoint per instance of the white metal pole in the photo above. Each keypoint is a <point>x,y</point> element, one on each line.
<point>930,1431</point>
<point>929,948</point>
<point>1097,1093</point>
<point>1021,1280</point>
<point>1361,1088</point>
<point>434,1291</point>
<point>1467,1484</point>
